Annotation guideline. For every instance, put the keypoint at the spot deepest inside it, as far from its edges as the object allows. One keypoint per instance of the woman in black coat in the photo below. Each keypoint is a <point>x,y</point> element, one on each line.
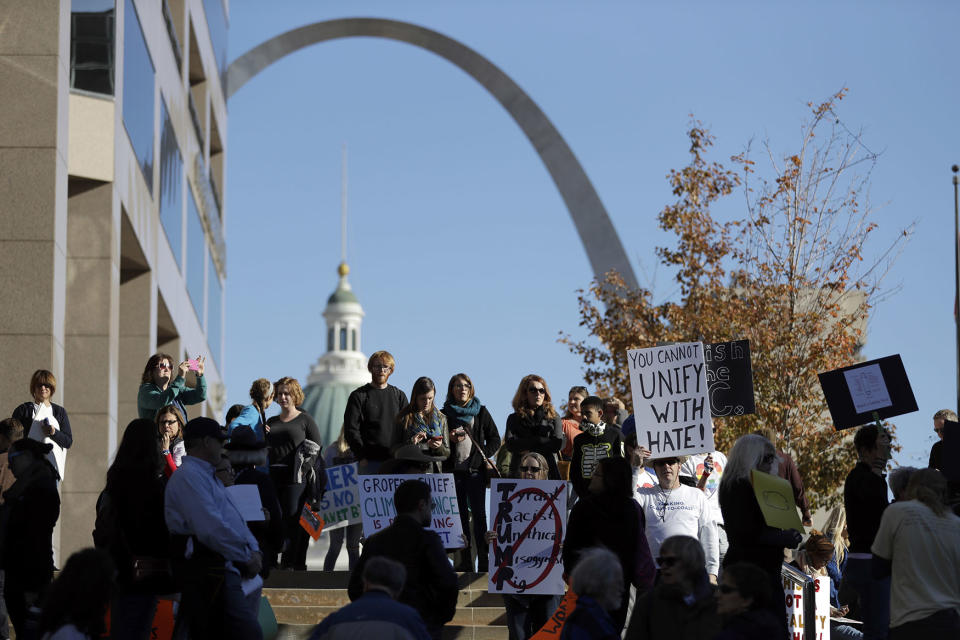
<point>31,508</point>
<point>131,527</point>
<point>470,424</point>
<point>534,425</point>
<point>609,517</point>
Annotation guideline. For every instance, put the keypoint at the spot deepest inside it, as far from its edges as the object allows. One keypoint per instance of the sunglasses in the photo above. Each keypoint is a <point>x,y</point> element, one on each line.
<point>665,462</point>
<point>44,385</point>
<point>164,366</point>
<point>530,469</point>
<point>537,390</point>
<point>725,588</point>
<point>667,561</point>
<point>168,423</point>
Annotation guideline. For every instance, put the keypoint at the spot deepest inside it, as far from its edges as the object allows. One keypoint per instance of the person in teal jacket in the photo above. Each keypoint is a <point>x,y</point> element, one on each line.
<point>158,387</point>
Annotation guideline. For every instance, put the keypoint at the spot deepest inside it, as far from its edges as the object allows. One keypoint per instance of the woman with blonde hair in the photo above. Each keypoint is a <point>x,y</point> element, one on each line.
<point>286,432</point>
<point>422,424</point>
<point>337,454</point>
<point>534,425</point>
<point>170,434</point>
<point>254,415</point>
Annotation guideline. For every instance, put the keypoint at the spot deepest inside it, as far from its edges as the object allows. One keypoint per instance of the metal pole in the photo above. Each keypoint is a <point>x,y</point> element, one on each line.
<point>956,273</point>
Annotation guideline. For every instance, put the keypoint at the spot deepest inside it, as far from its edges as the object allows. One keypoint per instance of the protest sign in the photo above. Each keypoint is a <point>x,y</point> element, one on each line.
<point>775,497</point>
<point>378,511</point>
<point>796,620</point>
<point>867,391</point>
<point>670,399</point>
<point>729,378</point>
<point>553,629</point>
<point>341,502</point>
<point>529,518</point>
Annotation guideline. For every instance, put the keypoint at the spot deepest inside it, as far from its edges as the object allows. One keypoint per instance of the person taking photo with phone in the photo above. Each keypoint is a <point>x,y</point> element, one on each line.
<point>159,387</point>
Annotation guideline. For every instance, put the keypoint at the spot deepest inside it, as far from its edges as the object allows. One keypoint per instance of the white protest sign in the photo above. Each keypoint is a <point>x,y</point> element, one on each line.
<point>530,520</point>
<point>670,399</point>
<point>341,502</point>
<point>378,510</point>
<point>794,599</point>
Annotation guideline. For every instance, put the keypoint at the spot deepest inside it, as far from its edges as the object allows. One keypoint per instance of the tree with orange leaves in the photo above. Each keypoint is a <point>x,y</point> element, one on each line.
<point>789,275</point>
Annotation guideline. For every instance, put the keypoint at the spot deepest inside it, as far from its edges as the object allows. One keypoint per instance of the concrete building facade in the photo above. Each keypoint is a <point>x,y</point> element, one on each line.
<point>113,128</point>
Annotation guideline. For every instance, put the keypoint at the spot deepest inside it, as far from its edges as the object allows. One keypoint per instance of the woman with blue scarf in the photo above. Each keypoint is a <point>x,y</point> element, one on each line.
<point>473,440</point>
<point>422,424</point>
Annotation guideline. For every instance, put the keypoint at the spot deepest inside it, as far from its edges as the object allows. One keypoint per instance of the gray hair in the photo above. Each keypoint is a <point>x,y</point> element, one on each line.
<point>598,574</point>
<point>899,478</point>
<point>745,456</point>
<point>690,553</point>
<point>386,574</point>
<point>946,414</point>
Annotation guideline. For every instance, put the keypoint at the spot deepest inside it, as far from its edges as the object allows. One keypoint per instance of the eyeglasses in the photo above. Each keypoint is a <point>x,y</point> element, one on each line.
<point>667,561</point>
<point>168,423</point>
<point>530,469</point>
<point>164,366</point>
<point>537,390</point>
<point>725,588</point>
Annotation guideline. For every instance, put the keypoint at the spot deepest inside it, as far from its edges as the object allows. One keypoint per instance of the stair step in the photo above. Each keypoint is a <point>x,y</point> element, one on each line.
<point>450,632</point>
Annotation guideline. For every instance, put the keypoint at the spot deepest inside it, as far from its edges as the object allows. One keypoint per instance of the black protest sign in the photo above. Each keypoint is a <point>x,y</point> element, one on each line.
<point>865,391</point>
<point>729,378</point>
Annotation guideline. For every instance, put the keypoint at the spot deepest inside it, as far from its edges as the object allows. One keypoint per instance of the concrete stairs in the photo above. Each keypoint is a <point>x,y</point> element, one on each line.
<point>301,599</point>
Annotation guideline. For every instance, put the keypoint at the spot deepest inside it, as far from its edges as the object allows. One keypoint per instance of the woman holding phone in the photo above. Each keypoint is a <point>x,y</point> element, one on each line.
<point>422,424</point>
<point>158,386</point>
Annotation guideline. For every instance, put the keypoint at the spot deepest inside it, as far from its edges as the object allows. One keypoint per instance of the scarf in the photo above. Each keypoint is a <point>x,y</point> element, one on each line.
<point>593,429</point>
<point>417,425</point>
<point>463,415</point>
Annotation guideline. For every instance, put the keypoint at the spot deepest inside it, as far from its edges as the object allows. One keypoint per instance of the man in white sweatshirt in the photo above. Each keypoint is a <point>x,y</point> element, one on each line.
<point>673,509</point>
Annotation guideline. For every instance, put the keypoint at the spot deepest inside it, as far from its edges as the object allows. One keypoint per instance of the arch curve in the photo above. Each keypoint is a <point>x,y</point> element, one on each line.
<point>600,240</point>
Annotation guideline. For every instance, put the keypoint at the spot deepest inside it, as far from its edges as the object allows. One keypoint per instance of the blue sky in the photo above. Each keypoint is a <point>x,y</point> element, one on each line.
<point>462,252</point>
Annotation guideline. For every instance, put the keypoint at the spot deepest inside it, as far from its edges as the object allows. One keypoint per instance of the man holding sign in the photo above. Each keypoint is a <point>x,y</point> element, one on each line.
<point>671,402</point>
<point>431,586</point>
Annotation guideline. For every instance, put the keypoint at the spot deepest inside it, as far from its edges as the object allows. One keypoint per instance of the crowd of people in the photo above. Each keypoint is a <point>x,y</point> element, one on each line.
<point>684,551</point>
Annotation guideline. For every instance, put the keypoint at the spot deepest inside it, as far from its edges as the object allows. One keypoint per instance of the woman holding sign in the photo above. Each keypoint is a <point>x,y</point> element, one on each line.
<point>751,539</point>
<point>534,425</point>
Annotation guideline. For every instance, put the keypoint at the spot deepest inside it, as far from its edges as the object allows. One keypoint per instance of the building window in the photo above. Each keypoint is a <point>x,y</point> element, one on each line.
<point>195,255</point>
<point>353,341</point>
<point>92,35</point>
<point>138,88</point>
<point>330,339</point>
<point>343,339</point>
<point>214,312</point>
<point>217,26</point>
<point>171,185</point>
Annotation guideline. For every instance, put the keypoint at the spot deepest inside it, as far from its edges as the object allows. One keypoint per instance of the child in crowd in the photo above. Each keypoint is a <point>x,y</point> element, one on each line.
<point>598,441</point>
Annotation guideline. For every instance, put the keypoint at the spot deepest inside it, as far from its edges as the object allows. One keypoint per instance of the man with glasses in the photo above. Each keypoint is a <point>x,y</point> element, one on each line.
<point>936,451</point>
<point>675,509</point>
<point>369,421</point>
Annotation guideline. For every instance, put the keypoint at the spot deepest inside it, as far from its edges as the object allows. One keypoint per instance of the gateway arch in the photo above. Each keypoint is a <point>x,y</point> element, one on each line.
<point>599,238</point>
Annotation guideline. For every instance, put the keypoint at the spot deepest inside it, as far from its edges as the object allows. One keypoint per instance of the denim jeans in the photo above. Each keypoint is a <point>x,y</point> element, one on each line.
<point>471,499</point>
<point>874,596</point>
<point>131,616</point>
<point>352,532</point>
<point>526,614</point>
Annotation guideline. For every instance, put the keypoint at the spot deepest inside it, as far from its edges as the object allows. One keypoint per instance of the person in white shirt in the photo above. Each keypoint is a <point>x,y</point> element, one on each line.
<point>218,566</point>
<point>674,509</point>
<point>707,469</point>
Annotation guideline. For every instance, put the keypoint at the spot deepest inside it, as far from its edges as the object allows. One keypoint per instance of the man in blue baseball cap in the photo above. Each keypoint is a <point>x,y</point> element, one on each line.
<point>216,558</point>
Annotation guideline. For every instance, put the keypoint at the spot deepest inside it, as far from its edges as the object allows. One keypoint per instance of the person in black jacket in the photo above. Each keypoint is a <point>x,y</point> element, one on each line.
<point>473,439</point>
<point>31,507</point>
<point>534,425</point>
<point>369,421</point>
<point>45,421</point>
<point>608,516</point>
<point>751,539</point>
<point>246,452</point>
<point>431,586</point>
<point>596,441</point>
<point>130,526</point>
